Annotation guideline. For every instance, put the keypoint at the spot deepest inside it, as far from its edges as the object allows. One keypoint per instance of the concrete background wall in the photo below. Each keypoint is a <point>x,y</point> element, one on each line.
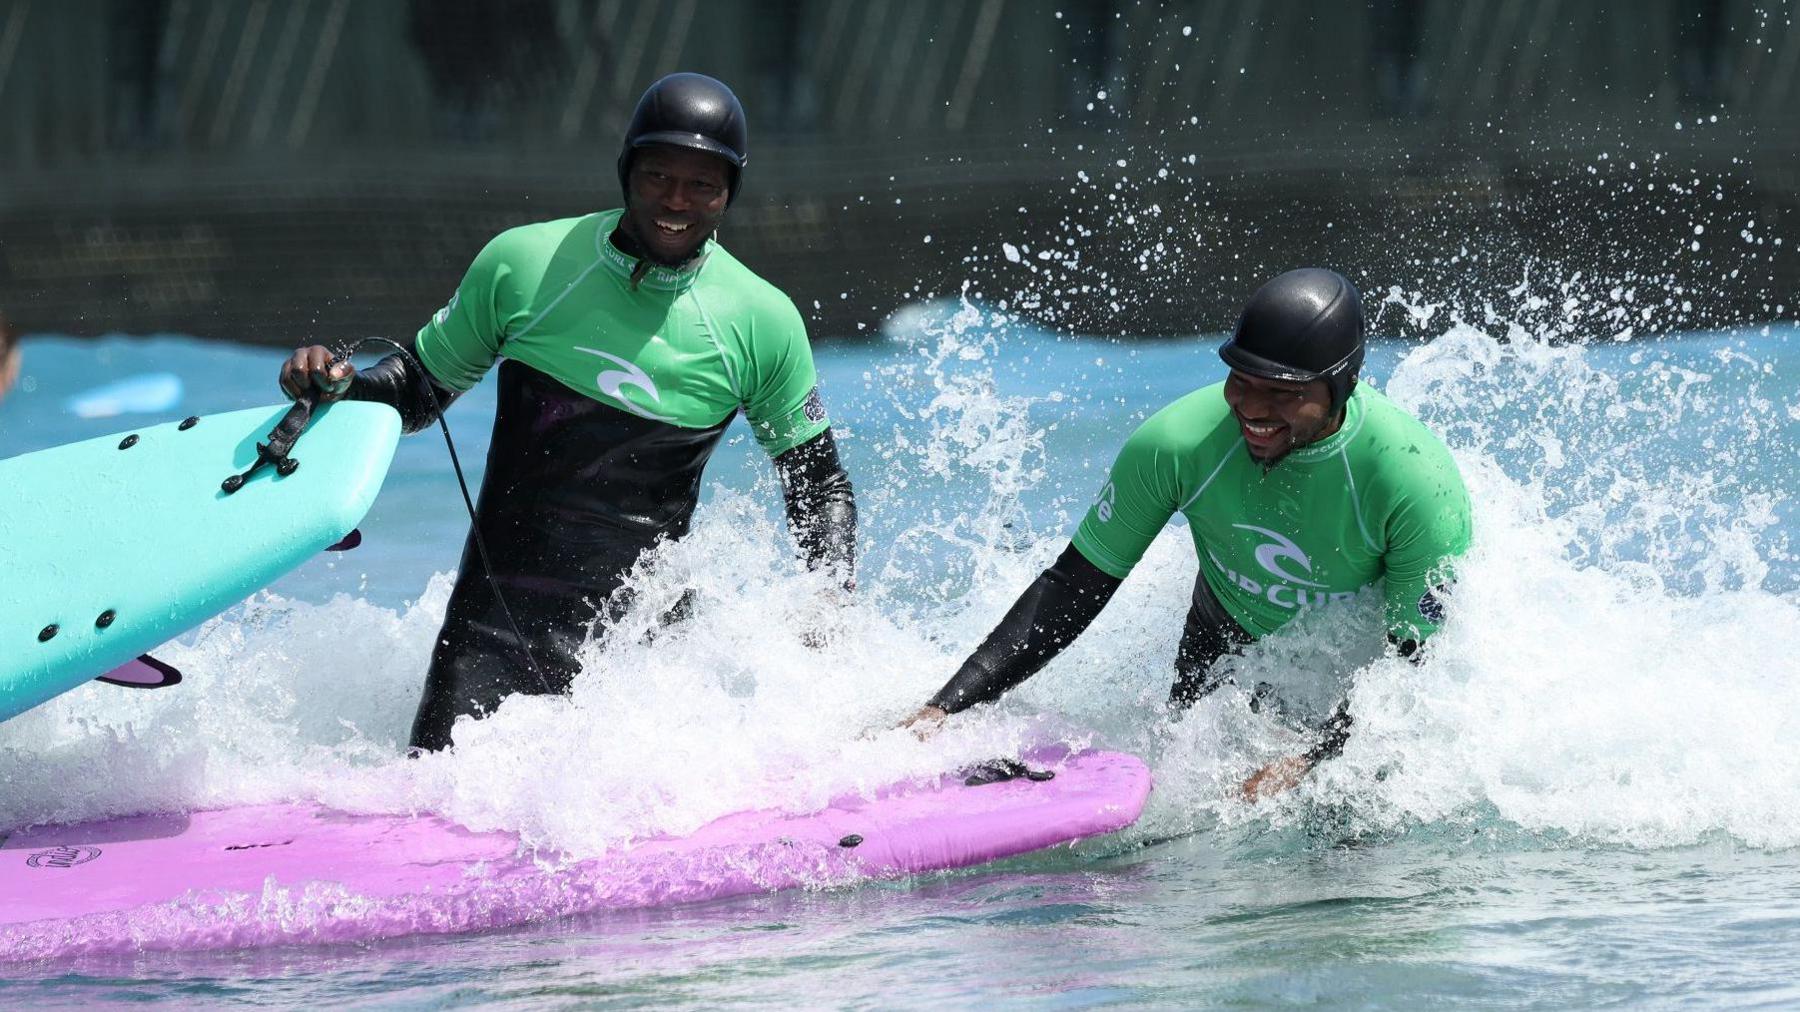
<point>267,170</point>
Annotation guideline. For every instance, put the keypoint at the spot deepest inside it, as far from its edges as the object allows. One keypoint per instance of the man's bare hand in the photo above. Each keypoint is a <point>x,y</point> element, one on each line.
<point>926,722</point>
<point>826,622</point>
<point>1278,776</point>
<point>314,370</point>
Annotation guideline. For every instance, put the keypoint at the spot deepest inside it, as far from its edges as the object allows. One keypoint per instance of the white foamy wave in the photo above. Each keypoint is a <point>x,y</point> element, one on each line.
<point>279,699</point>
<point>1618,665</point>
<point>1614,670</point>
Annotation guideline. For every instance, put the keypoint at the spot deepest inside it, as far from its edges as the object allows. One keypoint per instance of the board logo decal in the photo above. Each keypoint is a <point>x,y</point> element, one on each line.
<point>62,857</point>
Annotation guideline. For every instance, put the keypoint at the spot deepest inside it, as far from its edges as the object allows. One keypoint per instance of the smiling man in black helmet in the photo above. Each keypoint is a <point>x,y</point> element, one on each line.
<point>1300,488</point>
<point>627,341</point>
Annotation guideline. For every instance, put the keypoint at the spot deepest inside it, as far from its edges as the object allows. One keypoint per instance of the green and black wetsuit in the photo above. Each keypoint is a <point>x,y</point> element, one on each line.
<point>1380,500</point>
<point>617,380</point>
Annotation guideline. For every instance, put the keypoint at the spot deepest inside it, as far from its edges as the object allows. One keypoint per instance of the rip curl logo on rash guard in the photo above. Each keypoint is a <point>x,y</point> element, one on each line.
<point>1279,546</point>
<point>1293,587</point>
<point>612,383</point>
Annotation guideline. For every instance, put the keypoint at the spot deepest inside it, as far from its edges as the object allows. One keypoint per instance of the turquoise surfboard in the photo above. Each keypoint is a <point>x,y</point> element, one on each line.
<point>111,547</point>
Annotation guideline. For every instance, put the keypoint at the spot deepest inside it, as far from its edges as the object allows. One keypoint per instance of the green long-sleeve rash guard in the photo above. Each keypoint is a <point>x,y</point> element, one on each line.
<point>684,346</point>
<point>1379,500</point>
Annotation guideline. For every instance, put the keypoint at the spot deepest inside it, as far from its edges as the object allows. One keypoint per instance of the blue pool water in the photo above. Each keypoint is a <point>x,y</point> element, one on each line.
<point>1586,796</point>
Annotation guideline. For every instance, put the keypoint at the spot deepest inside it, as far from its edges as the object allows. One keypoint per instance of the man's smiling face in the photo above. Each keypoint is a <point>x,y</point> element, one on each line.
<point>1276,416</point>
<point>675,200</point>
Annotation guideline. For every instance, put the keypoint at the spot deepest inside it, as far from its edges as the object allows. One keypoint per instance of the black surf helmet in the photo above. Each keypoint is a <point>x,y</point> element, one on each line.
<point>689,111</point>
<point>1302,326</point>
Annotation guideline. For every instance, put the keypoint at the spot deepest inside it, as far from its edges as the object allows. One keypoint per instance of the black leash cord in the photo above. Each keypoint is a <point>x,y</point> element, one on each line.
<point>342,353</point>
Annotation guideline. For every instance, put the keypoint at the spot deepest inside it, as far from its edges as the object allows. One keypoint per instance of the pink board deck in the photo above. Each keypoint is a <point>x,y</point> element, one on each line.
<point>301,874</point>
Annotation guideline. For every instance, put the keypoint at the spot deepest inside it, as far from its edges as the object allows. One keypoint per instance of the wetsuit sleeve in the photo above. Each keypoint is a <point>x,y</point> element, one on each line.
<point>1056,608</point>
<point>399,382</point>
<point>462,340</point>
<point>1139,497</point>
<point>1332,736</point>
<point>780,386</point>
<point>1427,531</point>
<point>821,506</point>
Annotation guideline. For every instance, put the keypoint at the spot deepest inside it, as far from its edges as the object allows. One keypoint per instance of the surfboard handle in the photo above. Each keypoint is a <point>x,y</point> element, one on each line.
<point>281,443</point>
<point>996,771</point>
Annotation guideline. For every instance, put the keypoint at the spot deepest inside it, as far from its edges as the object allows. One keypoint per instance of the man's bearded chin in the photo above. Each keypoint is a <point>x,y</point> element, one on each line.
<point>1268,463</point>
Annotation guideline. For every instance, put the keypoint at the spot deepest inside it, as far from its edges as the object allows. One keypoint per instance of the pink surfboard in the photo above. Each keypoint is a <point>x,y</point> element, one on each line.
<point>301,874</point>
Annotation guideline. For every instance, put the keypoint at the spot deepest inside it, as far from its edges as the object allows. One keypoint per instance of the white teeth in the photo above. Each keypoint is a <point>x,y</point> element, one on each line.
<point>669,226</point>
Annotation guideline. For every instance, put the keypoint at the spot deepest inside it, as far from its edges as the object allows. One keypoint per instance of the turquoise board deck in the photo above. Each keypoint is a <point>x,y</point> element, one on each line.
<point>145,536</point>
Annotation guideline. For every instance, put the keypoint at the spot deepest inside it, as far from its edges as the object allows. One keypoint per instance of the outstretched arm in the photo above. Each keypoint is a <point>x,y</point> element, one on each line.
<point>401,381</point>
<point>1428,530</point>
<point>398,381</point>
<point>462,341</point>
<point>821,506</point>
<point>1061,603</point>
<point>1140,494</point>
<point>1282,774</point>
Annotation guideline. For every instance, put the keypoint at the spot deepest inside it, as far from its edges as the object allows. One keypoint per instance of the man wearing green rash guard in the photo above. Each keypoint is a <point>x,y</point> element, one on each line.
<point>627,341</point>
<point>1300,489</point>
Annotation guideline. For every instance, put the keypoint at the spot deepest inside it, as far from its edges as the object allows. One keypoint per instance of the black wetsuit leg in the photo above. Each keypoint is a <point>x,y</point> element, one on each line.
<point>1209,634</point>
<point>575,492</point>
<point>477,661</point>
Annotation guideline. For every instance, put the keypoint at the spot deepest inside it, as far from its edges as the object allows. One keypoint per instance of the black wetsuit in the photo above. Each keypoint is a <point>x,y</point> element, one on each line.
<point>577,486</point>
<point>1378,500</point>
<point>1064,600</point>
